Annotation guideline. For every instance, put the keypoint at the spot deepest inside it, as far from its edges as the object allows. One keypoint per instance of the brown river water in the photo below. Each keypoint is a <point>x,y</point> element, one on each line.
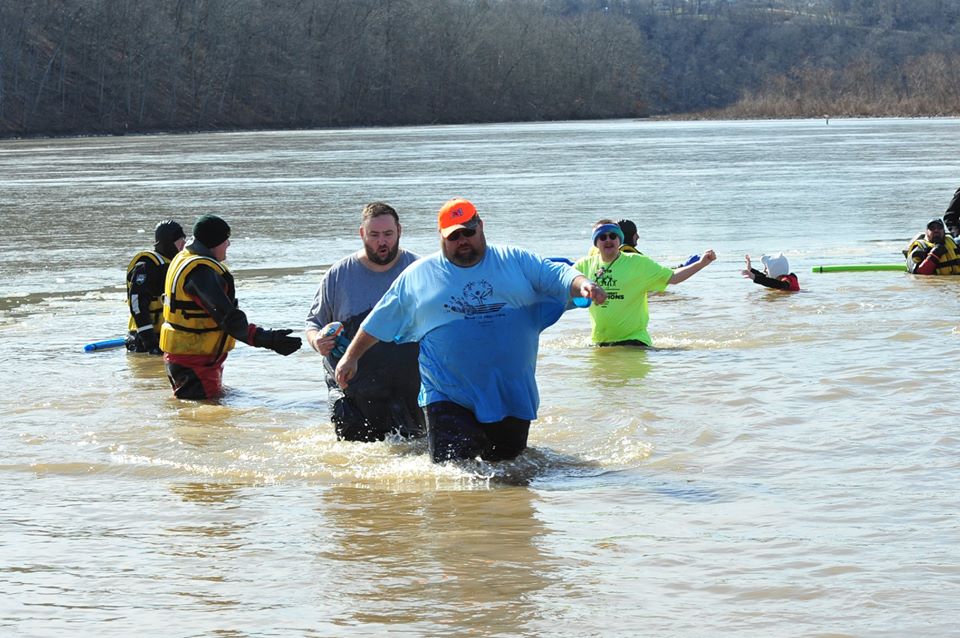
<point>780,465</point>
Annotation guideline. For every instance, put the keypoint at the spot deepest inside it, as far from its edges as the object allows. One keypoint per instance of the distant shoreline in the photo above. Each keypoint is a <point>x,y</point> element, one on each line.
<point>674,117</point>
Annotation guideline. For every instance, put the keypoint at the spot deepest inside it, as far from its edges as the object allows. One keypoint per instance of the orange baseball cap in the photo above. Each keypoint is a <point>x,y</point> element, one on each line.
<point>456,214</point>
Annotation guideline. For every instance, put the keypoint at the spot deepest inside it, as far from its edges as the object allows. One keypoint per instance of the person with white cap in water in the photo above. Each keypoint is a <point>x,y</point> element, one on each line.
<point>776,273</point>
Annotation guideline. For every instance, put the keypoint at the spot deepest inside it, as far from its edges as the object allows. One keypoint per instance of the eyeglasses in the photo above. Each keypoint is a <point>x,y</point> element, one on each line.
<point>606,236</point>
<point>466,232</point>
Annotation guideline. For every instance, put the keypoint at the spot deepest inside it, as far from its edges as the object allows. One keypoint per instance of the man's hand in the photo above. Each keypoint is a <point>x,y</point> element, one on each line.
<point>346,368</point>
<point>323,345</point>
<point>593,292</point>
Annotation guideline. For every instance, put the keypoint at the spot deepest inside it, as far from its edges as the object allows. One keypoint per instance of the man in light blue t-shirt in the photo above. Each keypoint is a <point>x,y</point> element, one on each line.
<point>477,312</point>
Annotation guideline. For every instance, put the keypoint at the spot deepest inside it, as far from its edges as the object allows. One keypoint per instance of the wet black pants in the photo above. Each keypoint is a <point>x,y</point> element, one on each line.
<point>454,433</point>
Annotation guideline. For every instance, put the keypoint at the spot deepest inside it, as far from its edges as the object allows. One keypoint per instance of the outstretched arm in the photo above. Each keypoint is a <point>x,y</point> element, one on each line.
<point>686,272</point>
<point>207,288</point>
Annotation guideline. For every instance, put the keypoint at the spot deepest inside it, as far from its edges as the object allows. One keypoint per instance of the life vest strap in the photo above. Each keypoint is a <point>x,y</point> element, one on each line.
<point>189,304</point>
<point>192,330</point>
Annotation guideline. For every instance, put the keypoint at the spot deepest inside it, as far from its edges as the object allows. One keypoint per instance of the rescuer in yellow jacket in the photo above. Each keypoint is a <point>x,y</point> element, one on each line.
<point>201,320</point>
<point>934,252</point>
<point>146,274</point>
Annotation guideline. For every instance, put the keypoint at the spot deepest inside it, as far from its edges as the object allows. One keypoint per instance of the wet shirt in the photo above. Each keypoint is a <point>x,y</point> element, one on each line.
<point>349,290</point>
<point>625,315</point>
<point>478,327</point>
<point>347,293</point>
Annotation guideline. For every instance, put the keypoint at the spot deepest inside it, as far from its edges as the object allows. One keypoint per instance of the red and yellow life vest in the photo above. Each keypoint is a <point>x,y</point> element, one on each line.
<point>949,263</point>
<point>188,328</point>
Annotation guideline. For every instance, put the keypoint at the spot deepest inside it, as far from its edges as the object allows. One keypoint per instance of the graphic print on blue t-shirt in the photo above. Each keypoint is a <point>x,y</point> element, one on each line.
<point>478,327</point>
<point>473,300</point>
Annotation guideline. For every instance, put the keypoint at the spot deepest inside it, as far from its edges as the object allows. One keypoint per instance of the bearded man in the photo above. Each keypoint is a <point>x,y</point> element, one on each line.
<point>477,311</point>
<point>383,397</point>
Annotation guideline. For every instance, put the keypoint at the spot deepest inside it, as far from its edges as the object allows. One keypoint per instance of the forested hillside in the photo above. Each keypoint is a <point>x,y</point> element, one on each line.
<point>111,66</point>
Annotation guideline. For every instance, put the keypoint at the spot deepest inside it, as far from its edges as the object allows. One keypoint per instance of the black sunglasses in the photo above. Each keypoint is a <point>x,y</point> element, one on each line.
<point>606,236</point>
<point>466,232</point>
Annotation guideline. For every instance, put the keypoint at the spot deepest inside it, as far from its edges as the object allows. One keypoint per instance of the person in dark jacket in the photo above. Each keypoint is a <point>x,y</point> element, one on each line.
<point>201,319</point>
<point>146,273</point>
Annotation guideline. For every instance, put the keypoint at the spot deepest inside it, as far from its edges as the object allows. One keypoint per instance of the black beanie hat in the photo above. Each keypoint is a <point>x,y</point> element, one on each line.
<point>629,231</point>
<point>167,232</point>
<point>211,231</point>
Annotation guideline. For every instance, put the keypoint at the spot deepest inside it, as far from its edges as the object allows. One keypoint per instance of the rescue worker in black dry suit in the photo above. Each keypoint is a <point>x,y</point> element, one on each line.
<point>201,319</point>
<point>146,274</point>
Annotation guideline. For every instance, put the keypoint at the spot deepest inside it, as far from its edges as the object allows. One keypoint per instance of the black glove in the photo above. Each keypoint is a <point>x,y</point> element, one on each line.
<point>277,340</point>
<point>149,341</point>
<point>938,250</point>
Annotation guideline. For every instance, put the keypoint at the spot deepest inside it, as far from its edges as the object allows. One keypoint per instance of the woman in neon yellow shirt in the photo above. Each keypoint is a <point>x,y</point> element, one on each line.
<point>627,278</point>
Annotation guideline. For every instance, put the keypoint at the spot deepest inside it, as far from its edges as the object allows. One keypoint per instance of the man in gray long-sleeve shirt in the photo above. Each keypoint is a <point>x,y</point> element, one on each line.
<point>383,396</point>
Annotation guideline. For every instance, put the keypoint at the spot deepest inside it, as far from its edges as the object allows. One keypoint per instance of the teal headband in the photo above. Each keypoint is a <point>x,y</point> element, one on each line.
<point>607,228</point>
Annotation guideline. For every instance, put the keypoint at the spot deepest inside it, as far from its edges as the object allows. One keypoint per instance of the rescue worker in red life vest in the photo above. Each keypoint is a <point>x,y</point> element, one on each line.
<point>934,252</point>
<point>201,320</point>
<point>146,274</point>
